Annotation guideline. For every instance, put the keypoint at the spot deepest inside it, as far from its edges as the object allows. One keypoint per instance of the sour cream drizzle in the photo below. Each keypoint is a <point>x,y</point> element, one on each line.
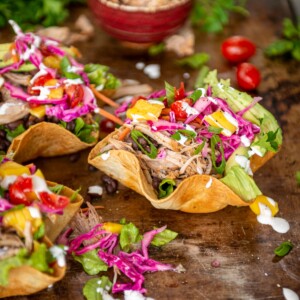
<point>265,217</point>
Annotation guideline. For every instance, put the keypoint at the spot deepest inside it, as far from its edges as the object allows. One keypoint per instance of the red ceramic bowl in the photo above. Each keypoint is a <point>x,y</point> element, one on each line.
<point>140,24</point>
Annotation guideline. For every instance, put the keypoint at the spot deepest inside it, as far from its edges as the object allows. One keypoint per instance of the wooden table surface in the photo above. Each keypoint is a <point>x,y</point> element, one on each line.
<point>232,236</point>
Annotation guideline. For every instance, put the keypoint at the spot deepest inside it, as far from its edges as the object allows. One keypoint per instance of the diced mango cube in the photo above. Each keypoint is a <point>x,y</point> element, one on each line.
<point>52,62</point>
<point>269,202</point>
<point>12,168</point>
<point>112,227</point>
<point>55,93</point>
<point>222,120</point>
<point>39,173</point>
<point>144,110</point>
<point>38,111</point>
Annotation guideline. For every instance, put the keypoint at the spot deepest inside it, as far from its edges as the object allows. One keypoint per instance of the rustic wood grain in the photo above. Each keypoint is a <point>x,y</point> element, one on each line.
<point>232,236</point>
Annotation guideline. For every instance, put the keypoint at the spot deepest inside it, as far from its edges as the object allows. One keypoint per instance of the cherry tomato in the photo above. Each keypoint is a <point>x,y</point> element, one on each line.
<point>40,81</point>
<point>54,201</point>
<point>107,126</point>
<point>248,76</point>
<point>238,49</point>
<point>20,192</point>
<point>180,93</point>
<point>177,108</point>
<point>75,93</point>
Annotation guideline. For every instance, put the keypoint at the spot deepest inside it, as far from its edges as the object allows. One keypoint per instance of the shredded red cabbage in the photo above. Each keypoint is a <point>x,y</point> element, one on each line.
<point>133,265</point>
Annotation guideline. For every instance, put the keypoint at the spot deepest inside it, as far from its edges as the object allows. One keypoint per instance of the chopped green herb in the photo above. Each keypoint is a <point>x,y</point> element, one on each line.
<point>166,187</point>
<point>170,93</point>
<point>156,49</point>
<point>216,141</point>
<point>91,288</point>
<point>289,44</point>
<point>284,248</point>
<point>215,130</point>
<point>75,194</point>
<point>194,61</point>
<point>199,148</point>
<point>199,82</point>
<point>57,189</point>
<point>176,136</point>
<point>135,134</point>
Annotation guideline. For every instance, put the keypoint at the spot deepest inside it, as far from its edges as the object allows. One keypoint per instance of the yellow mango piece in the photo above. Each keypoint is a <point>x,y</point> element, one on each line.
<point>13,168</point>
<point>39,173</point>
<point>18,218</point>
<point>269,202</point>
<point>222,120</point>
<point>112,227</point>
<point>52,62</point>
<point>55,93</point>
<point>38,111</point>
<point>144,110</point>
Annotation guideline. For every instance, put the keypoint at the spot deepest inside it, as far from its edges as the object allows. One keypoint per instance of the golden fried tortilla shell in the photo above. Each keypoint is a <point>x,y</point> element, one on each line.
<point>55,224</point>
<point>44,140</point>
<point>26,280</point>
<point>196,194</point>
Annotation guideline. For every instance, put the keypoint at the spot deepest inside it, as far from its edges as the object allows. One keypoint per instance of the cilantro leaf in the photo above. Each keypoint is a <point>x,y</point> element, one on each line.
<point>284,248</point>
<point>194,61</point>
<point>170,93</point>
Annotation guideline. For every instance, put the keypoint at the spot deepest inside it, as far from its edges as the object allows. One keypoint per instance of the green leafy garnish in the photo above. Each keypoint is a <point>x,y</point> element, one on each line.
<point>123,221</point>
<point>216,141</point>
<point>156,49</point>
<point>166,187</point>
<point>266,142</point>
<point>57,189</point>
<point>100,77</point>
<point>65,66</point>
<point>284,248</point>
<point>289,44</point>
<point>199,148</point>
<point>83,131</point>
<point>75,194</point>
<point>2,192</point>
<point>6,265</point>
<point>215,130</point>
<point>129,236</point>
<point>196,95</point>
<point>135,134</point>
<point>187,133</point>
<point>213,15</point>
<point>93,286</point>
<point>176,136</point>
<point>40,232</point>
<point>194,61</point>
<point>14,208</point>
<point>11,134</point>
<point>164,238</point>
<point>91,262</point>
<point>38,259</point>
<point>170,93</point>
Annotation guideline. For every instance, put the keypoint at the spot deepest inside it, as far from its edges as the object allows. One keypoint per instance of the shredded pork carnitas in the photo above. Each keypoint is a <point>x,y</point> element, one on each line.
<point>175,161</point>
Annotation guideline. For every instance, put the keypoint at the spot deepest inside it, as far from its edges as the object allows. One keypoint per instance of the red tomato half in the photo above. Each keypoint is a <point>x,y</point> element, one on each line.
<point>248,76</point>
<point>54,201</point>
<point>177,108</point>
<point>20,192</point>
<point>40,81</point>
<point>75,93</point>
<point>238,49</point>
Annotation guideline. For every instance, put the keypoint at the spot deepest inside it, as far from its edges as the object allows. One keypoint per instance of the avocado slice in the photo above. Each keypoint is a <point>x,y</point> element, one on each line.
<point>241,183</point>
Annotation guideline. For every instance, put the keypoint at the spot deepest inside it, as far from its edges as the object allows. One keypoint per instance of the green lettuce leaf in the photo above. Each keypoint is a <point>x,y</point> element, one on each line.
<point>164,237</point>
<point>166,187</point>
<point>194,61</point>
<point>91,262</point>
<point>95,288</point>
<point>129,235</point>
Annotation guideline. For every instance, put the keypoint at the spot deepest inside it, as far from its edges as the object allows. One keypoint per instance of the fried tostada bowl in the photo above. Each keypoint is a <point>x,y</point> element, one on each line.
<point>25,185</point>
<point>195,152</point>
<point>48,103</point>
<point>27,264</point>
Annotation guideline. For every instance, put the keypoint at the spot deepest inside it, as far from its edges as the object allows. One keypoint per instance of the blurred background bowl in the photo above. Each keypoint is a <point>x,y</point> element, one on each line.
<point>140,24</point>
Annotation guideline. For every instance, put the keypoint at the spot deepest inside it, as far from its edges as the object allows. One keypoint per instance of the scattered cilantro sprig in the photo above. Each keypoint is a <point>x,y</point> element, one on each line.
<point>289,44</point>
<point>284,248</point>
<point>213,15</point>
